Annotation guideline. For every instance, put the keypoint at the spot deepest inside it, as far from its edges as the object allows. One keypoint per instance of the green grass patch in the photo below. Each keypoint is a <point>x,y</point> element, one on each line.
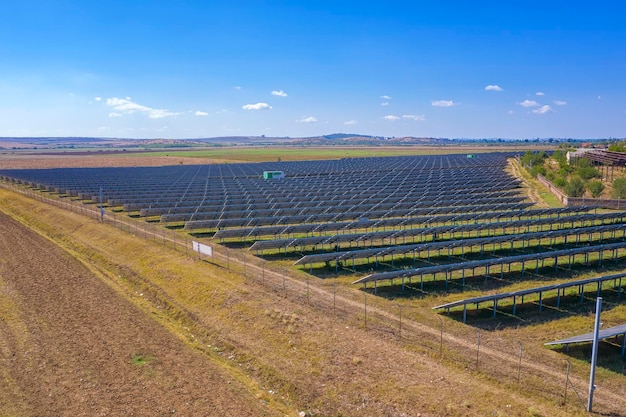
<point>140,359</point>
<point>299,153</point>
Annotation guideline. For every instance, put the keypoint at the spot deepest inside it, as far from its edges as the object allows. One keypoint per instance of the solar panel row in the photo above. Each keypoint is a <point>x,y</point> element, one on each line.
<point>437,231</point>
<point>491,241</point>
<point>364,223</point>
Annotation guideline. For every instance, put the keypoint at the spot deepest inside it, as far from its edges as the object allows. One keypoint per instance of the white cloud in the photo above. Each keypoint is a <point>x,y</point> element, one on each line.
<point>494,87</point>
<point>560,102</point>
<point>543,109</point>
<point>510,112</point>
<point>540,93</point>
<point>444,103</point>
<point>384,103</point>
<point>257,106</point>
<point>237,87</point>
<point>112,115</point>
<point>310,119</point>
<point>279,93</point>
<point>97,98</point>
<point>529,103</point>
<point>350,122</point>
<point>385,97</point>
<point>160,114</point>
<point>127,106</point>
<point>391,117</point>
<point>201,113</point>
<point>416,117</point>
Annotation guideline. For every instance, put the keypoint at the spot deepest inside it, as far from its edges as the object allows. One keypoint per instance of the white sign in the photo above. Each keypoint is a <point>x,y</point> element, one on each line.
<point>199,247</point>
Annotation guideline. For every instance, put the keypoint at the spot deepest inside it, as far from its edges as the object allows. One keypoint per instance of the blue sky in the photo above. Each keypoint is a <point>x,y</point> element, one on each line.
<point>188,69</point>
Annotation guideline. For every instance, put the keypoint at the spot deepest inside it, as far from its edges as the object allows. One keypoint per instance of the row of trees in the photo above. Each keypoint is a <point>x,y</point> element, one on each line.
<point>575,179</point>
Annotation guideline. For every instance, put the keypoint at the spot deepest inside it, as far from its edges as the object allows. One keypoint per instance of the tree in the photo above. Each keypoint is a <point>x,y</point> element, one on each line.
<point>617,147</point>
<point>532,160</point>
<point>575,188</point>
<point>595,187</point>
<point>619,188</point>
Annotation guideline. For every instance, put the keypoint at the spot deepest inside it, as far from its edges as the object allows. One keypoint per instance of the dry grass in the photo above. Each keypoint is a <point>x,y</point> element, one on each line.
<point>10,323</point>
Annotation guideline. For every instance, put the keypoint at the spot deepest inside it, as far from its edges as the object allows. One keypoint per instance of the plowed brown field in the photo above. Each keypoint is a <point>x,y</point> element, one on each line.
<point>71,346</point>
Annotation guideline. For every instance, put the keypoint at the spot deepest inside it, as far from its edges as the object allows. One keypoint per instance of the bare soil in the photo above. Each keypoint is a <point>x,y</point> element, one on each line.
<point>70,345</point>
<point>25,161</point>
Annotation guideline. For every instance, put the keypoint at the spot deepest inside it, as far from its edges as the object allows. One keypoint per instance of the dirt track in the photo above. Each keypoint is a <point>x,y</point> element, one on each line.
<point>71,346</point>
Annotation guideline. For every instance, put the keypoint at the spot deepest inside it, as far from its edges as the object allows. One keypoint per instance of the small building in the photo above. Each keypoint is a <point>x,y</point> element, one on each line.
<point>269,175</point>
<point>578,153</point>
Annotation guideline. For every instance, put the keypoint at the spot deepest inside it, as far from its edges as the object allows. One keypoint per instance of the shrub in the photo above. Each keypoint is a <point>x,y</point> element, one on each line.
<point>595,187</point>
<point>587,173</point>
<point>619,188</point>
<point>575,188</point>
<point>560,182</point>
<point>538,170</point>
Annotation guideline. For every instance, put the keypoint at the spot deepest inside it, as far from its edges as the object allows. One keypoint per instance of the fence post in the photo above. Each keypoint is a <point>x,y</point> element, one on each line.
<point>334,299</point>
<point>400,326</point>
<point>441,339</point>
<point>365,308</point>
<point>566,382</point>
<point>284,284</point>
<point>519,366</point>
<point>477,349</point>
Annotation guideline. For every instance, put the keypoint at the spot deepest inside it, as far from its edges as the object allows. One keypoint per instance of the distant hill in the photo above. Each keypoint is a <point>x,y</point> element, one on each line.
<point>333,139</point>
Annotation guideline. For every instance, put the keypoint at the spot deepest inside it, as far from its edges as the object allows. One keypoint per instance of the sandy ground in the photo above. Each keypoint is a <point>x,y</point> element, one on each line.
<point>84,161</point>
<point>71,346</point>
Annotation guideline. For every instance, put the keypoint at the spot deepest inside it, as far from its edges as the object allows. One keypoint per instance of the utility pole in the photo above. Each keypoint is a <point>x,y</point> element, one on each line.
<point>101,206</point>
<point>594,354</point>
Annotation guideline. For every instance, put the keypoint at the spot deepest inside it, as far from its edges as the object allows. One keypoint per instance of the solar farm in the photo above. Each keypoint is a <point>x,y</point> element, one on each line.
<point>417,222</point>
<point>432,236</point>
